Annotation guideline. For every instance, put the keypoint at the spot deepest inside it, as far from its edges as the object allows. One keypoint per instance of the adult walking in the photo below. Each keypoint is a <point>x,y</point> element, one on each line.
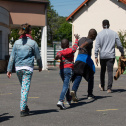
<point>24,51</point>
<point>105,41</point>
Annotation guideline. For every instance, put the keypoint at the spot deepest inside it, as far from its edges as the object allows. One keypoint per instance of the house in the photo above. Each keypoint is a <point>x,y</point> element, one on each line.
<point>91,13</point>
<point>13,13</point>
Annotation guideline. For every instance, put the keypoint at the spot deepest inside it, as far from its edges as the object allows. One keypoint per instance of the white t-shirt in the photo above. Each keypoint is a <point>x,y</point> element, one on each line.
<point>24,67</point>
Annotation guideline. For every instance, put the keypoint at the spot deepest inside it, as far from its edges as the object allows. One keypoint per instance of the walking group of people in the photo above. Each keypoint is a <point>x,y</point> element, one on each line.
<point>25,49</point>
<point>84,65</point>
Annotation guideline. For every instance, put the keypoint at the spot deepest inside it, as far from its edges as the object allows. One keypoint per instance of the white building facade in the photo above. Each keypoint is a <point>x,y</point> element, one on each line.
<point>91,13</point>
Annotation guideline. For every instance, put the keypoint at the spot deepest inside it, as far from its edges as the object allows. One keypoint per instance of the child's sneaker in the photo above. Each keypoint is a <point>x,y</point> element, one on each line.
<point>91,96</point>
<point>67,103</point>
<point>74,97</point>
<point>61,105</point>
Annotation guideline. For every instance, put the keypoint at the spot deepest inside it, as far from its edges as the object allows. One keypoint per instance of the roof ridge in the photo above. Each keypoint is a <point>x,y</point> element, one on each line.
<point>78,8</point>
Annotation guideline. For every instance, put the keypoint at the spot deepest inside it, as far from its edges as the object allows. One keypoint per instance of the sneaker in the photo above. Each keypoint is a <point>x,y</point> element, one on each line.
<point>101,88</point>
<point>24,113</point>
<point>74,97</point>
<point>67,103</point>
<point>61,105</point>
<point>109,91</point>
<point>91,96</point>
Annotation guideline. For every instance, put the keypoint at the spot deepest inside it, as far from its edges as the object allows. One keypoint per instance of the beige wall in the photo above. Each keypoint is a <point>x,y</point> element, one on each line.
<point>92,15</point>
<point>22,12</point>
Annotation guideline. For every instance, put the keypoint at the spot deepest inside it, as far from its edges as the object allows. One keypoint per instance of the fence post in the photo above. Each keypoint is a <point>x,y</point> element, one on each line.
<point>54,55</point>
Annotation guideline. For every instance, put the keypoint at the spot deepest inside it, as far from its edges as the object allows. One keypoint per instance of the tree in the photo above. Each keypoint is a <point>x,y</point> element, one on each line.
<point>13,36</point>
<point>52,17</point>
<point>58,28</point>
<point>36,34</point>
<point>64,31</point>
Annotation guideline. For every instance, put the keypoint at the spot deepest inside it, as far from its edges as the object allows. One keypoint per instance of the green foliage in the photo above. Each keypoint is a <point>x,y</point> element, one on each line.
<point>13,36</point>
<point>64,31</point>
<point>51,22</point>
<point>36,34</point>
<point>58,28</point>
<point>122,36</point>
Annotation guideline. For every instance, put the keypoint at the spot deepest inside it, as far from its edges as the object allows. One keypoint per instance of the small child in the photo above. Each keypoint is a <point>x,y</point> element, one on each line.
<point>66,57</point>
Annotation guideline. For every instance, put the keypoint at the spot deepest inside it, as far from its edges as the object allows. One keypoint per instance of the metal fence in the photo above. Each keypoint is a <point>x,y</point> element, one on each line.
<point>50,55</point>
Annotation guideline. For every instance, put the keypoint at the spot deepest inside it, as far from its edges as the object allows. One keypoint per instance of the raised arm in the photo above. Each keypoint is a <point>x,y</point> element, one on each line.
<point>75,46</point>
<point>68,50</point>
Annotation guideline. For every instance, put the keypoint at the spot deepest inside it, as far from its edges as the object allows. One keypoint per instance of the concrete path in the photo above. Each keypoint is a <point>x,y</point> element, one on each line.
<point>106,110</point>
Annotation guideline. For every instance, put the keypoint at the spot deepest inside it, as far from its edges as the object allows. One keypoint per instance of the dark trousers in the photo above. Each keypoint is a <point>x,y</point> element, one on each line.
<point>109,64</point>
<point>77,81</point>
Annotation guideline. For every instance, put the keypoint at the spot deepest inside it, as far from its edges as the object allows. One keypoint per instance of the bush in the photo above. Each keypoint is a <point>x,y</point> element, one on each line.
<point>122,36</point>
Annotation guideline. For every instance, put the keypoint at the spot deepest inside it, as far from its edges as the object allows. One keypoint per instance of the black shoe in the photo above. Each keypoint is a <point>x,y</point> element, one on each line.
<point>23,113</point>
<point>91,96</point>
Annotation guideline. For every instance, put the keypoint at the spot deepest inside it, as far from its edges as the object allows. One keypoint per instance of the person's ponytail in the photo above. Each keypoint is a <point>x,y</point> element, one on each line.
<point>25,29</point>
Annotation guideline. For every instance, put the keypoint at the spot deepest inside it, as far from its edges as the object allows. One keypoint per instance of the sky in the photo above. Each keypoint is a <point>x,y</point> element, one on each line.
<point>65,7</point>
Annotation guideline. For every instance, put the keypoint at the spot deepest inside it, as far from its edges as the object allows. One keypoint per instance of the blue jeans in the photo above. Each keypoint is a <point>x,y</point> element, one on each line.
<point>77,81</point>
<point>66,75</point>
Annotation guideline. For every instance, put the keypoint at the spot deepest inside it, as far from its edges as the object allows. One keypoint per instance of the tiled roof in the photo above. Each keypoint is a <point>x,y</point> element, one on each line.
<point>35,1</point>
<point>84,3</point>
<point>77,10</point>
<point>123,1</point>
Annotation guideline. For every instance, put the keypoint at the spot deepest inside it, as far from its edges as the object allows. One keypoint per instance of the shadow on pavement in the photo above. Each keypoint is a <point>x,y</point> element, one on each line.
<point>118,90</point>
<point>53,68</point>
<point>36,112</point>
<point>80,103</point>
<point>3,117</point>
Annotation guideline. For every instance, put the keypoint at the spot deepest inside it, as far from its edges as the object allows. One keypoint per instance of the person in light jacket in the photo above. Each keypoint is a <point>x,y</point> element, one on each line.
<point>24,51</point>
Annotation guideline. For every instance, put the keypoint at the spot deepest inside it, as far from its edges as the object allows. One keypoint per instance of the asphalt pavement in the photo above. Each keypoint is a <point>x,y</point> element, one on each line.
<point>109,109</point>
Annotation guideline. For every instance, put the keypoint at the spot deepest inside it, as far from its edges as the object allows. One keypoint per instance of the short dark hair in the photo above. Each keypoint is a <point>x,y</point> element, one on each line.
<point>105,23</point>
<point>64,43</point>
<point>92,34</point>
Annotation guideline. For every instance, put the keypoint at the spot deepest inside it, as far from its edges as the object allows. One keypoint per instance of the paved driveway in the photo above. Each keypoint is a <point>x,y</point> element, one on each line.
<point>106,110</point>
